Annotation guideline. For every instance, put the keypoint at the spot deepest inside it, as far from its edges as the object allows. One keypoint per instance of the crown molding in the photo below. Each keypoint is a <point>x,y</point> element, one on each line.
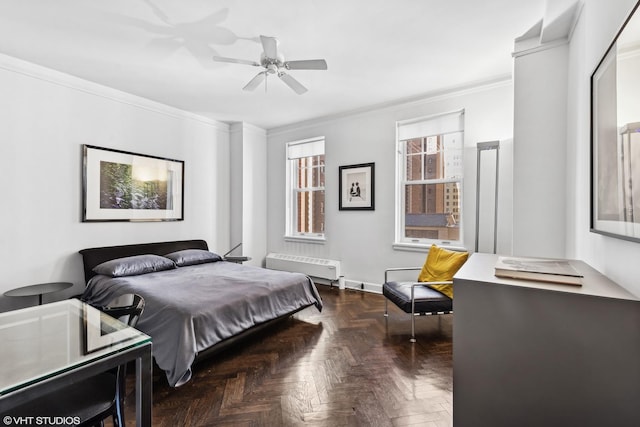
<point>242,126</point>
<point>554,30</point>
<point>540,48</point>
<point>398,104</point>
<point>39,72</point>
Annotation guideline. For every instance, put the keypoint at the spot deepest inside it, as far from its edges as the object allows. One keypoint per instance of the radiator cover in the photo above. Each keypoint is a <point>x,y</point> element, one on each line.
<point>315,267</point>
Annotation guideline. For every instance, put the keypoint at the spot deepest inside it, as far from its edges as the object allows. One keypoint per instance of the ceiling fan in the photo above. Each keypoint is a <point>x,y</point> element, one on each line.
<point>273,63</point>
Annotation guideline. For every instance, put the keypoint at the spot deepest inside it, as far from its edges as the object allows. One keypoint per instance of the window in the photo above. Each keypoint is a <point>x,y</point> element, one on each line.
<point>429,182</point>
<point>305,189</point>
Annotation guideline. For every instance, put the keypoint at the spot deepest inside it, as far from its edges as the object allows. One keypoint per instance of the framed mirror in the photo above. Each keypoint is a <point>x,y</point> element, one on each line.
<point>615,135</point>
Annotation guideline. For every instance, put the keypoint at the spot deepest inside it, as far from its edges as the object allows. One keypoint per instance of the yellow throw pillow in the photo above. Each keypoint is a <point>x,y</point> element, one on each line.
<point>440,266</point>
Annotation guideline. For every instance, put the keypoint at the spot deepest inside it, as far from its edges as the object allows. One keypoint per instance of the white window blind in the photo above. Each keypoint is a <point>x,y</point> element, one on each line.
<point>436,125</point>
<point>306,148</point>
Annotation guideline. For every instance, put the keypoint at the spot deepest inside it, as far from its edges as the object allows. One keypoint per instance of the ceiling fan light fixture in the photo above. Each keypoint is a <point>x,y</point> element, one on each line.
<point>272,68</point>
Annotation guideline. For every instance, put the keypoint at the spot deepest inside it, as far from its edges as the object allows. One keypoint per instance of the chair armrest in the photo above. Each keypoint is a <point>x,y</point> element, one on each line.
<point>388,270</point>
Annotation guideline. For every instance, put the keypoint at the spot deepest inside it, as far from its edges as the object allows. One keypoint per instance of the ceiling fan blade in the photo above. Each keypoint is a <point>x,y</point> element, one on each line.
<point>292,83</point>
<point>255,82</point>
<point>306,64</point>
<point>236,61</point>
<point>270,46</point>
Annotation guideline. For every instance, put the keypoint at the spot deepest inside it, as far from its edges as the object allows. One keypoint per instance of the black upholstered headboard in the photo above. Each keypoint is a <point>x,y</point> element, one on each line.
<point>95,256</point>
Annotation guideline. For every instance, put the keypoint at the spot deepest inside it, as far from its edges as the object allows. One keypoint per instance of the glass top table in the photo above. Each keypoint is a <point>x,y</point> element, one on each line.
<point>49,346</point>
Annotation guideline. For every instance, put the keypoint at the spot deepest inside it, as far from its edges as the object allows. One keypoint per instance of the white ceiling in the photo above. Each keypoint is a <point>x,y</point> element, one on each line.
<point>378,51</point>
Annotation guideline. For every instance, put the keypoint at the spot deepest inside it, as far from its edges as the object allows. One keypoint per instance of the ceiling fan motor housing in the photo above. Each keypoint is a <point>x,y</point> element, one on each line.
<point>271,64</point>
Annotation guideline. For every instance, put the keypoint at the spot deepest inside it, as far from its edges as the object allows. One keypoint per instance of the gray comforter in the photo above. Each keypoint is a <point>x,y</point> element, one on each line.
<point>192,308</point>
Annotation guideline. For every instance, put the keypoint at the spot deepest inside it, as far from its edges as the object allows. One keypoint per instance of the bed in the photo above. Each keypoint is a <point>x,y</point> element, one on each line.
<point>196,304</point>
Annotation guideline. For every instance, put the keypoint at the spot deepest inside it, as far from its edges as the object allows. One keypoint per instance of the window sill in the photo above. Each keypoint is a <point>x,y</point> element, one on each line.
<point>305,239</point>
<point>424,247</point>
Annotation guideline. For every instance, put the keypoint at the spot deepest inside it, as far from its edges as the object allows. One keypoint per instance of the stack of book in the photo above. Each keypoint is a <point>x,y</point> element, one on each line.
<point>538,269</point>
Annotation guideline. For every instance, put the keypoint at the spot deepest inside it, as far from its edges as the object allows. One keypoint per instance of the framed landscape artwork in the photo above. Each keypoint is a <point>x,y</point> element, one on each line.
<point>615,136</point>
<point>357,187</point>
<point>123,186</point>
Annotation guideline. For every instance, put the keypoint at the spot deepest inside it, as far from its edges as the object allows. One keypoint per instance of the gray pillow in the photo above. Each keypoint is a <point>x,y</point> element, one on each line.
<point>192,257</point>
<point>134,265</point>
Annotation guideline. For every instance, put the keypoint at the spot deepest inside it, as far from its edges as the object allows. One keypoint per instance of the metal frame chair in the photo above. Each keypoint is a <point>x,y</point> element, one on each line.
<point>419,301</point>
<point>129,314</point>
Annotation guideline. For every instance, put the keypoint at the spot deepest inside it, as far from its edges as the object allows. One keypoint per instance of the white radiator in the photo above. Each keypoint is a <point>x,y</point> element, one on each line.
<point>314,267</point>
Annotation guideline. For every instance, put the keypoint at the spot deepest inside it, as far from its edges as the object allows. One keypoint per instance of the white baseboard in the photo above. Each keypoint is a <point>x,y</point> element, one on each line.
<point>375,288</point>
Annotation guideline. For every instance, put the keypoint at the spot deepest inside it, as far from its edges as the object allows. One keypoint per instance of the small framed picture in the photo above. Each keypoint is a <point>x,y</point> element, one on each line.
<point>357,187</point>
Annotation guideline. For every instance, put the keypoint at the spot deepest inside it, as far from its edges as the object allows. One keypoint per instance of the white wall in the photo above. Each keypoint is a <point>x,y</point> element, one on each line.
<point>363,240</point>
<point>617,259</point>
<point>539,153</point>
<point>45,117</point>
<point>249,192</point>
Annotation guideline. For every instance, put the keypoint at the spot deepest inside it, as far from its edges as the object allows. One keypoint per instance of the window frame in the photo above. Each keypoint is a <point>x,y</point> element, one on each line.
<point>292,191</point>
<point>414,243</point>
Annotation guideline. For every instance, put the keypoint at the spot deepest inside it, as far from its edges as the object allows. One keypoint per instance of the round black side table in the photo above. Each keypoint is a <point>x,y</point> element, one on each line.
<point>39,289</point>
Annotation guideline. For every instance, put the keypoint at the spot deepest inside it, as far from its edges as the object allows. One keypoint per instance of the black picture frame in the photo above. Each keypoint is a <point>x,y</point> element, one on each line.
<point>124,186</point>
<point>615,161</point>
<point>357,187</point>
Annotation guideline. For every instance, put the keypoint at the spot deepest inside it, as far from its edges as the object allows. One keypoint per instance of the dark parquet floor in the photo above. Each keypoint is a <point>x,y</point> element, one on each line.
<point>346,366</point>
